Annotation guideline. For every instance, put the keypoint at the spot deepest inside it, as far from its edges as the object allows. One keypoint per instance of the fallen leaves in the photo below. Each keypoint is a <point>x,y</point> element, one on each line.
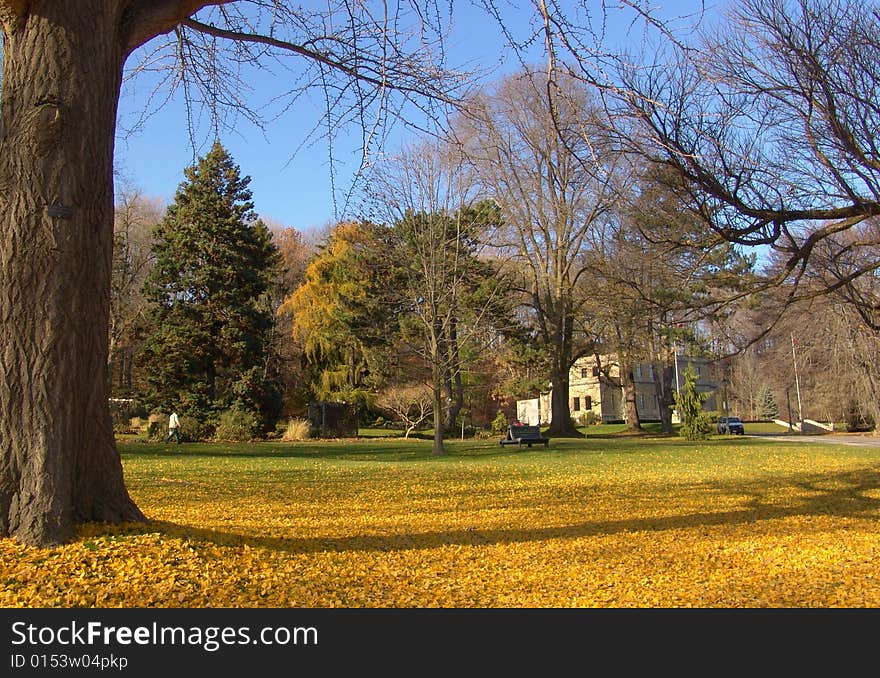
<point>734,527</point>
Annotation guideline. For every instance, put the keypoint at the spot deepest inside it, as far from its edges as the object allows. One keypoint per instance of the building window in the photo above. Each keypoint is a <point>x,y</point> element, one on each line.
<point>588,402</point>
<point>641,402</point>
<point>583,373</point>
<point>638,371</point>
<point>595,371</point>
<point>577,405</point>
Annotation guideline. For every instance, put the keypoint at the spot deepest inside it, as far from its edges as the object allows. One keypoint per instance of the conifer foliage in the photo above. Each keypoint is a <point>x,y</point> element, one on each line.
<point>211,319</point>
<point>767,404</point>
<point>695,422</point>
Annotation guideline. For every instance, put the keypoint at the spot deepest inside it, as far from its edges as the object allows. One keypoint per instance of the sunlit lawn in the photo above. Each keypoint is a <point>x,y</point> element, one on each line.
<point>607,521</point>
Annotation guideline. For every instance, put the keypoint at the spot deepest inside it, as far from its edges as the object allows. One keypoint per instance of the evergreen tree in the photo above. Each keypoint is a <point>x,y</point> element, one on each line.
<point>695,423</point>
<point>767,408</point>
<point>211,319</point>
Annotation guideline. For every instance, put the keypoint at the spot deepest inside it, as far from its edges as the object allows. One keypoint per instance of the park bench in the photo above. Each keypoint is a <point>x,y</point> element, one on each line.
<point>524,435</point>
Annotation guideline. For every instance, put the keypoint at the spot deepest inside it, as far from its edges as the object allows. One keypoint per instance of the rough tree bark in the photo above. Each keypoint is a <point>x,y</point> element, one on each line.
<point>62,70</point>
<point>558,334</point>
<point>628,386</point>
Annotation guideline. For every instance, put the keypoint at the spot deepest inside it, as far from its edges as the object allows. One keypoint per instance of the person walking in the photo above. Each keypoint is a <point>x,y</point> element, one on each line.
<point>173,428</point>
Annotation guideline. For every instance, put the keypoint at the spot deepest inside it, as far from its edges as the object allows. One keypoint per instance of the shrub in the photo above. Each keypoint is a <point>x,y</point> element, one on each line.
<point>193,429</point>
<point>123,410</point>
<point>587,418</point>
<point>236,425</point>
<point>856,420</point>
<point>499,423</point>
<point>155,430</point>
<point>297,429</point>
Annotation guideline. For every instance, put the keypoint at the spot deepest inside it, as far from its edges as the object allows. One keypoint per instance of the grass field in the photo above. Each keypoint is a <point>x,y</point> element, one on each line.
<point>608,521</point>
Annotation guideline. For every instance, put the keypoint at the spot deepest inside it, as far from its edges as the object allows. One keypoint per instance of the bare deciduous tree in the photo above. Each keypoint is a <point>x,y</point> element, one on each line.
<point>768,114</point>
<point>134,219</point>
<point>412,404</point>
<point>523,141</point>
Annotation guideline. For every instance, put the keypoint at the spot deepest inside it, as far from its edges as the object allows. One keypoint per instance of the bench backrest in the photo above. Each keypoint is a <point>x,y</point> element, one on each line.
<point>525,432</point>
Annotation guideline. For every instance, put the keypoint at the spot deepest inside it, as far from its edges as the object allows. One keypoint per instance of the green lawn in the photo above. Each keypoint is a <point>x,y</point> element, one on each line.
<point>597,430</point>
<point>605,521</point>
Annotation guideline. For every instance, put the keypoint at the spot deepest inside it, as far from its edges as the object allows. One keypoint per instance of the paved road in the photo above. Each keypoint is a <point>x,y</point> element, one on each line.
<point>857,439</point>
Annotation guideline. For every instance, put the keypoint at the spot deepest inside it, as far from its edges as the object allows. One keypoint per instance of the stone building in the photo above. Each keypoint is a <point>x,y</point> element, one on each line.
<point>596,394</point>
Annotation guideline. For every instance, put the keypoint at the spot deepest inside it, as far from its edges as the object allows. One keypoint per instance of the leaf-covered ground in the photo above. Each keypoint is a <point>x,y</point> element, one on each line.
<point>595,523</point>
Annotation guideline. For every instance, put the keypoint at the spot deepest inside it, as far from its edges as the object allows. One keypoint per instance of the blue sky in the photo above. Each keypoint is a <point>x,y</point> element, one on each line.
<point>294,190</point>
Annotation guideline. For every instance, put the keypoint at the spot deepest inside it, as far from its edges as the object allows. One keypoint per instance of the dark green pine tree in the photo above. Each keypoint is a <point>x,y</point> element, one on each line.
<point>210,320</point>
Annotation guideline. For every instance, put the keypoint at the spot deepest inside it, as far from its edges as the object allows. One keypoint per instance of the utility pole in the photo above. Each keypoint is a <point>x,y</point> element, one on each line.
<point>796,381</point>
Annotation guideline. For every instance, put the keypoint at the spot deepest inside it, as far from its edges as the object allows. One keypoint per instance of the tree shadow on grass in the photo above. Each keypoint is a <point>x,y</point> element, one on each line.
<point>398,449</point>
<point>363,449</point>
<point>843,495</point>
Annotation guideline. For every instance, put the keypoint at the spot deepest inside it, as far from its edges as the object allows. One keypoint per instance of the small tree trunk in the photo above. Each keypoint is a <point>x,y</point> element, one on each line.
<point>452,380</point>
<point>663,375</point>
<point>437,387</point>
<point>438,449</point>
<point>61,76</point>
<point>630,405</point>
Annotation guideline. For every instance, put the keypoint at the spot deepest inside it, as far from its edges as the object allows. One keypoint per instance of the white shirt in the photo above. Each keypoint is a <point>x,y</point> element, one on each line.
<point>173,421</point>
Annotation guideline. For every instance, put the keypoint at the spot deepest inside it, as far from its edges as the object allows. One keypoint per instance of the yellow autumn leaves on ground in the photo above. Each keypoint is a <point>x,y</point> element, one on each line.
<point>584,524</point>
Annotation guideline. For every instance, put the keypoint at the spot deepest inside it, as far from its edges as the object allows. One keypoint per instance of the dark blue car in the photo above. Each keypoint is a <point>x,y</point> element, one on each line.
<point>732,425</point>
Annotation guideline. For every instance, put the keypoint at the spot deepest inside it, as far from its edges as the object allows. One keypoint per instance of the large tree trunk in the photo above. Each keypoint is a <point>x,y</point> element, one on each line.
<point>62,64</point>
<point>560,409</point>
<point>663,374</point>
<point>631,405</point>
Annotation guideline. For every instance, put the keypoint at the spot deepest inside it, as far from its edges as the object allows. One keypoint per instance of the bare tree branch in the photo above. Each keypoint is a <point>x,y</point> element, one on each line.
<point>367,70</point>
<point>145,19</point>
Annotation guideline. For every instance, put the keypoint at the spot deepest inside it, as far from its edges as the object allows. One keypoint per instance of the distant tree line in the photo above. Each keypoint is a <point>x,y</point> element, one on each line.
<point>564,216</point>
